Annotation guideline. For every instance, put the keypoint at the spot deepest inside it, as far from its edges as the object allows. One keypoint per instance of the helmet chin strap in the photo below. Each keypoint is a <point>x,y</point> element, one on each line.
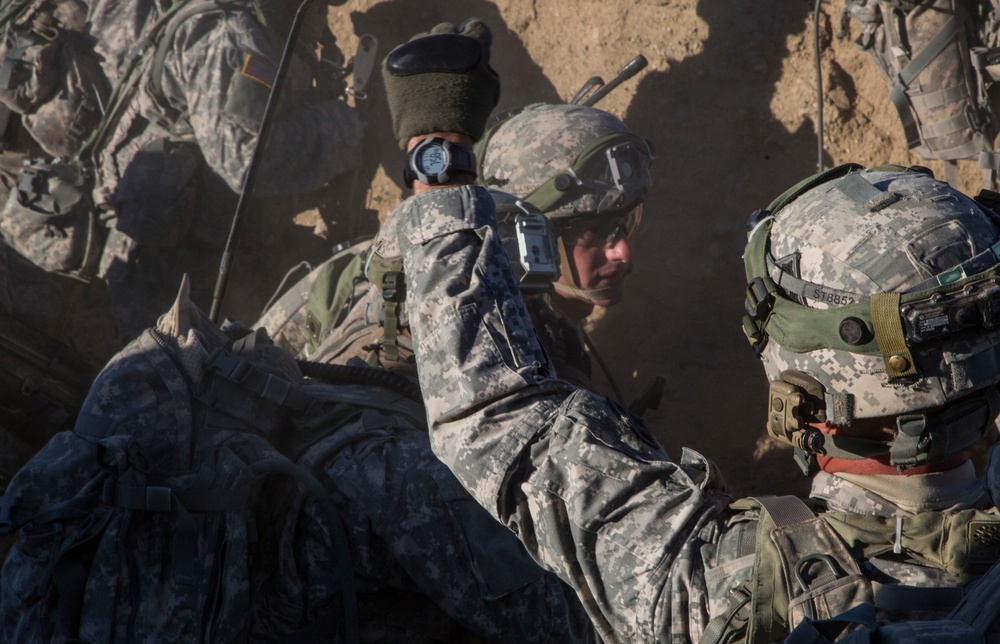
<point>573,290</point>
<point>589,295</point>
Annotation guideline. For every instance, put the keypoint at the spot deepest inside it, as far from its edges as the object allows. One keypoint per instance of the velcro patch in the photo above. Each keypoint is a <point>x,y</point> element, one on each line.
<point>259,69</point>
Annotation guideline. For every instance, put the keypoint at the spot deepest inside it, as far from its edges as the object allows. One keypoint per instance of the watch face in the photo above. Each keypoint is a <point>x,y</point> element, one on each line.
<point>431,160</point>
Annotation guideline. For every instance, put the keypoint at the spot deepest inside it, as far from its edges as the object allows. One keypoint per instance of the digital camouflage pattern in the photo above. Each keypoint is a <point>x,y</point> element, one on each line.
<point>648,543</point>
<point>311,142</point>
<point>429,564</point>
<point>538,143</point>
<point>932,83</point>
<point>215,83</point>
<point>835,237</point>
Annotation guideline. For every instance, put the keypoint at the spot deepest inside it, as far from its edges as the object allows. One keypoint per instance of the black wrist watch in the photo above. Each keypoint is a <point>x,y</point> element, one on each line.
<point>435,161</point>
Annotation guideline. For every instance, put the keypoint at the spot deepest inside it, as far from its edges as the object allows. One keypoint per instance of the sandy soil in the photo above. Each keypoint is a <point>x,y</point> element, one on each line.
<point>729,100</point>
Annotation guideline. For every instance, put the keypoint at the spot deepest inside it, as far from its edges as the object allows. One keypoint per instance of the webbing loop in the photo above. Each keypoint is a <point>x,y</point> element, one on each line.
<point>888,328</point>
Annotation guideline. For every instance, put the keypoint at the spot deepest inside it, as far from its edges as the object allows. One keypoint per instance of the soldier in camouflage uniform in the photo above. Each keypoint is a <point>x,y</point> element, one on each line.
<point>871,301</point>
<point>588,173</point>
<point>525,154</point>
<point>56,330</point>
<point>195,119</point>
<point>154,120</point>
<point>168,162</point>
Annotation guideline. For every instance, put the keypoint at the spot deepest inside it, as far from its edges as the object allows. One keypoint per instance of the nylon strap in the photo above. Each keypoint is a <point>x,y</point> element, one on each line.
<point>792,284</point>
<point>547,197</point>
<point>940,98</point>
<point>910,598</point>
<point>271,387</point>
<point>888,328</point>
<point>767,591</point>
<point>392,294</point>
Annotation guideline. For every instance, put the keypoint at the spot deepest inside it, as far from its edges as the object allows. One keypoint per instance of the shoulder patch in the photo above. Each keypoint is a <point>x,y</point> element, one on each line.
<point>259,69</point>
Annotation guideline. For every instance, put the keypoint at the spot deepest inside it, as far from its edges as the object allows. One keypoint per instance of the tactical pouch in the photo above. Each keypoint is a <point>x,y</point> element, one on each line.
<point>29,68</point>
<point>923,49</point>
<point>156,198</point>
<point>49,218</point>
<point>802,570</point>
<point>51,76</point>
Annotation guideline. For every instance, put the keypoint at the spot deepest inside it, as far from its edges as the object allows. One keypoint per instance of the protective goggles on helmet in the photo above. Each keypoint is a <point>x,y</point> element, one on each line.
<point>600,231</point>
<point>614,169</point>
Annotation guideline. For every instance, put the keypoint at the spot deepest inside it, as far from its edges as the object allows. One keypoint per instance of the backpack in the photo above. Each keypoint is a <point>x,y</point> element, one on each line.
<point>299,317</point>
<point>923,48</point>
<point>168,514</point>
<point>968,623</point>
<point>806,566</point>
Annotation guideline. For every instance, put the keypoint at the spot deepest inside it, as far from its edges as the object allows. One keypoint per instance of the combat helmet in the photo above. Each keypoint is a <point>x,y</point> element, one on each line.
<point>574,164</point>
<point>876,293</point>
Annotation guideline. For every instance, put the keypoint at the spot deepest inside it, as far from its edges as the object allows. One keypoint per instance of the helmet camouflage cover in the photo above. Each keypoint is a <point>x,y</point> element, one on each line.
<point>566,160</point>
<point>884,286</point>
<point>574,164</point>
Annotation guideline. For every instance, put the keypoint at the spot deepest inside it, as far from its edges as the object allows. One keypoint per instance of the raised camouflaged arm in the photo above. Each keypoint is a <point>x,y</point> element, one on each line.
<point>581,482</point>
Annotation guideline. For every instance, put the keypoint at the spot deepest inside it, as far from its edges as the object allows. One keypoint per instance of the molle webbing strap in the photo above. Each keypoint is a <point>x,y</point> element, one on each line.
<point>392,294</point>
<point>768,591</point>
<point>785,510</point>
<point>271,387</point>
<point>888,328</point>
<point>387,275</point>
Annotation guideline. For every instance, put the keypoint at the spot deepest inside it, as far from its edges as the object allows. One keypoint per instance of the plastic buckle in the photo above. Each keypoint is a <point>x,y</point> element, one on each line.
<point>911,424</point>
<point>392,286</point>
<point>758,299</point>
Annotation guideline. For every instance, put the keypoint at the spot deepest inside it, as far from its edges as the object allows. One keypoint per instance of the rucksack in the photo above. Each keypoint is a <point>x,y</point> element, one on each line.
<point>168,514</point>
<point>929,51</point>
<point>298,317</point>
<point>806,565</point>
<point>968,623</point>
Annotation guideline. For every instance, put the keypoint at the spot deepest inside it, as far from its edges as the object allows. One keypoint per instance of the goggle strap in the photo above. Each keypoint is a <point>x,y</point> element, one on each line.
<point>888,328</point>
<point>548,197</point>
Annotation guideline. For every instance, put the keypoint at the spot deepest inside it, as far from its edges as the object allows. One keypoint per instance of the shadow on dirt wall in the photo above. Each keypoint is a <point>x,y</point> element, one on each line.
<point>721,155</point>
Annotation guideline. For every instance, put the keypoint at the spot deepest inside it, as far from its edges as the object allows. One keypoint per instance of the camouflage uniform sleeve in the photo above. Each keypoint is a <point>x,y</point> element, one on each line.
<point>588,491</point>
<point>218,72</point>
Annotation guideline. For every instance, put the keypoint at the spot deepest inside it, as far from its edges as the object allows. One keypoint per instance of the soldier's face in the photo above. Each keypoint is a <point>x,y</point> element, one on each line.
<point>599,265</point>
